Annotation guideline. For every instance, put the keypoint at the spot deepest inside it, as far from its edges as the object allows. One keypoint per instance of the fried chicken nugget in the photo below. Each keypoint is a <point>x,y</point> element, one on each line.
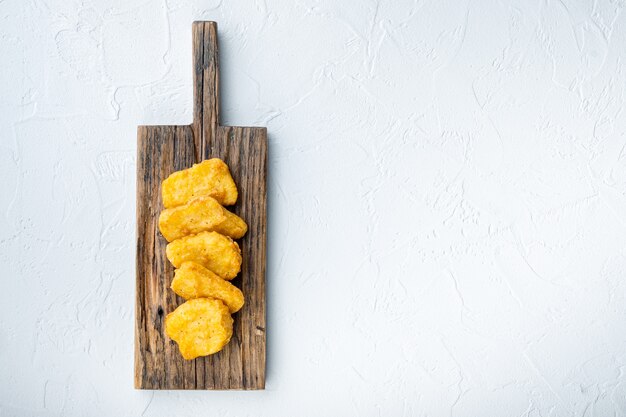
<point>192,280</point>
<point>210,177</point>
<point>214,251</point>
<point>199,215</point>
<point>201,326</point>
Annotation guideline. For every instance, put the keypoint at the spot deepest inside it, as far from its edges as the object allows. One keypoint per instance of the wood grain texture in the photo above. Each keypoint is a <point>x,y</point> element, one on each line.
<point>162,150</point>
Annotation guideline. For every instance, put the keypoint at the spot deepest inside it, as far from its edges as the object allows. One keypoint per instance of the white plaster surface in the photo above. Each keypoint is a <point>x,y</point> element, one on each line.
<point>447,199</point>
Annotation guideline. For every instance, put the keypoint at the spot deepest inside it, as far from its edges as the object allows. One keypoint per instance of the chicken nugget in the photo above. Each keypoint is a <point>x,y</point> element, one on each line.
<point>199,215</point>
<point>210,177</point>
<point>192,280</point>
<point>214,251</point>
<point>201,326</point>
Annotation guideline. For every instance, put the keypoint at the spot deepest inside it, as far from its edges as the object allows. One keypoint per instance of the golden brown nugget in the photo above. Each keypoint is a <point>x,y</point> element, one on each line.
<point>192,280</point>
<point>210,177</point>
<point>202,214</point>
<point>214,251</point>
<point>201,326</point>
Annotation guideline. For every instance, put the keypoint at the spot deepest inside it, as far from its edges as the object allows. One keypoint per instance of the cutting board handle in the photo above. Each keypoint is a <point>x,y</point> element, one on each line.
<point>205,83</point>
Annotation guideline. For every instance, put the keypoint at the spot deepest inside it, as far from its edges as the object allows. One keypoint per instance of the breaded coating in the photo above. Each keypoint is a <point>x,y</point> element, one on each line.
<point>202,214</point>
<point>192,280</point>
<point>214,251</point>
<point>210,177</point>
<point>201,326</point>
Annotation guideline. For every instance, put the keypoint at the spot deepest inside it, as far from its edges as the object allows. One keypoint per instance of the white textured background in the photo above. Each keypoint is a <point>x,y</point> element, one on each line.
<point>447,202</point>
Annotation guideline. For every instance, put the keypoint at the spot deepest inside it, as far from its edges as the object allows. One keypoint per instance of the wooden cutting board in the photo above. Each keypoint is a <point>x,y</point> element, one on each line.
<point>162,150</point>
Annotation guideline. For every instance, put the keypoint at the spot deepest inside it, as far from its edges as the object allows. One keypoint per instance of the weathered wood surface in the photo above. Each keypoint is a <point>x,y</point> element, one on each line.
<point>162,150</point>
